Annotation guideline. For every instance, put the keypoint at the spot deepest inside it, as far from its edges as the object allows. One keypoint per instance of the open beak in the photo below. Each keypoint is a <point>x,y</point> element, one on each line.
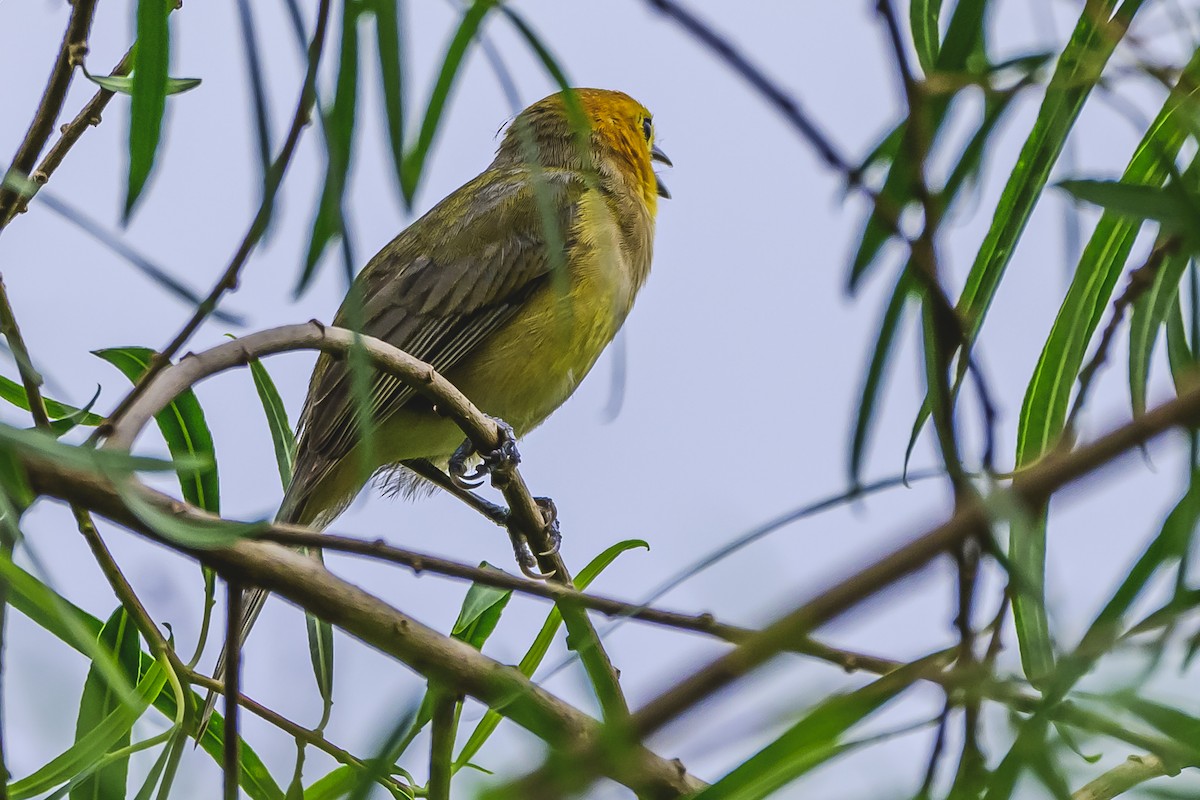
<point>658,155</point>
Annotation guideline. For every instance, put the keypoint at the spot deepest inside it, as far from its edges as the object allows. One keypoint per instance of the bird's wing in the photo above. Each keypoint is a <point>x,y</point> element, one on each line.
<point>441,288</point>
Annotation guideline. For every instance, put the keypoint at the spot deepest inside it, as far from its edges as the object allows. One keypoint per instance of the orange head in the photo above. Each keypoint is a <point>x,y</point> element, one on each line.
<point>603,131</point>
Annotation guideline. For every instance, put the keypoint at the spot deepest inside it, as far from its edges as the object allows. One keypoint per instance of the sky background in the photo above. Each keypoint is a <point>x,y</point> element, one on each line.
<point>744,353</point>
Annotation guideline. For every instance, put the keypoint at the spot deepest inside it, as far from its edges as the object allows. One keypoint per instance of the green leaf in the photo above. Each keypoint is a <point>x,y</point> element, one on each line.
<point>14,393</point>
<point>964,37</point>
<point>815,739</point>
<point>98,740</point>
<point>338,126</point>
<point>1078,69</point>
<point>1182,728</point>
<point>277,421</point>
<point>1168,205</point>
<point>541,645</point>
<point>79,630</point>
<point>414,160</point>
<point>477,618</point>
<point>1170,545</point>
<point>120,637</point>
<point>923,18</point>
<point>60,427</point>
<point>183,427</point>
<point>151,59</point>
<point>1179,355</point>
<point>123,84</point>
<point>186,530</point>
<point>391,75</point>
<point>880,357</point>
<point>1047,397</point>
<point>1149,314</point>
<point>41,444</point>
<point>480,613</point>
<point>258,92</point>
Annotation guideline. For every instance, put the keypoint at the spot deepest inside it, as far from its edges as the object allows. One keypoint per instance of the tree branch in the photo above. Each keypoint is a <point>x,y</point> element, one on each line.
<point>70,54</point>
<point>436,657</point>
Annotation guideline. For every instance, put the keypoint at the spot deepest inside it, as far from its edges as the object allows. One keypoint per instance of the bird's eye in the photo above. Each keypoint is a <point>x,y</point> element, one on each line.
<point>647,128</point>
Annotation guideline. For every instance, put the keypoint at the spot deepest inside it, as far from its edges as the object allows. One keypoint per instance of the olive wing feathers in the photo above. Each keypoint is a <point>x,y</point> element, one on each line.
<point>438,290</point>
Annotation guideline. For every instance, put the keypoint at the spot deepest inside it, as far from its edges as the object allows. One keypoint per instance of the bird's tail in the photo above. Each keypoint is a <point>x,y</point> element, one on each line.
<point>292,510</point>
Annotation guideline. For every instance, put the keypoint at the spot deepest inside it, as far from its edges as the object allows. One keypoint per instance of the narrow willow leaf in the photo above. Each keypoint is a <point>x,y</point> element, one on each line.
<point>1047,397</point>
<point>1179,353</point>
<point>1167,205</point>
<point>477,618</point>
<point>383,762</point>
<point>813,740</point>
<point>183,427</point>
<point>964,172</point>
<point>389,45</point>
<point>1078,69</point>
<point>151,59</point>
<point>338,126</point>
<point>79,630</point>
<point>414,159</point>
<point>100,738</point>
<point>1170,545</point>
<point>1182,728</point>
<point>123,84</point>
<point>923,19</point>
<point>146,792</point>
<point>277,421</point>
<point>14,393</point>
<point>119,637</point>
<point>59,427</point>
<point>258,92</point>
<point>880,357</point>
<point>190,532</point>
<point>964,36</point>
<point>480,613</point>
<point>1149,314</point>
<point>320,652</point>
<point>41,444</point>
<point>541,645</point>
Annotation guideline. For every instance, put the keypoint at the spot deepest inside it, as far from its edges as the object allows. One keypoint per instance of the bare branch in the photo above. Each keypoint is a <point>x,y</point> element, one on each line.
<point>70,54</point>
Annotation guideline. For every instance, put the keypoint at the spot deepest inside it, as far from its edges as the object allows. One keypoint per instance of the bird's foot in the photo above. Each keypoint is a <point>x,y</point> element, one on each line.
<point>504,457</point>
<point>553,532</point>
<point>527,560</point>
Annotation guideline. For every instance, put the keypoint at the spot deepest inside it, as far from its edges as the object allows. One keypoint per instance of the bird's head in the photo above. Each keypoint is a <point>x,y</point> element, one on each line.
<point>598,129</point>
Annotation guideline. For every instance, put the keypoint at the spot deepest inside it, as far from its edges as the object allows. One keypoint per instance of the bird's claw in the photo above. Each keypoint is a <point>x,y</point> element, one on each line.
<point>526,560</point>
<point>550,515</point>
<point>505,456</point>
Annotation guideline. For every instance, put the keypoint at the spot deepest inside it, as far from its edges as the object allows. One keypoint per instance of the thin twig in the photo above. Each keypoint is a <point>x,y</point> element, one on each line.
<point>1120,779</point>
<point>231,761</point>
<point>70,54</point>
<point>775,95</point>
<point>258,227</point>
<point>296,731</point>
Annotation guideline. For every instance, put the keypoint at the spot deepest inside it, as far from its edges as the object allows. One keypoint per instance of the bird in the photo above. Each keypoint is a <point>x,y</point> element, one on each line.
<point>511,287</point>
